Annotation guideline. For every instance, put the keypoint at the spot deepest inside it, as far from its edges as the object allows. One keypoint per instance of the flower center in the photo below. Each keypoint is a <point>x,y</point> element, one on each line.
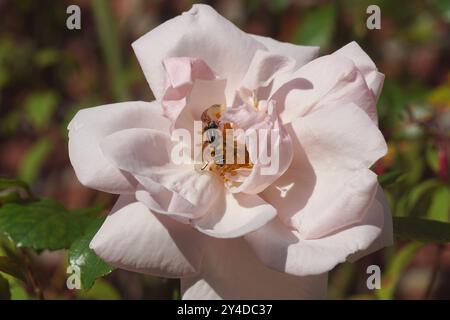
<point>216,145</point>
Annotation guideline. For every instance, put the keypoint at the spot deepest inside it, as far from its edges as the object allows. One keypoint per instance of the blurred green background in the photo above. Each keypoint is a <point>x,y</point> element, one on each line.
<point>48,72</point>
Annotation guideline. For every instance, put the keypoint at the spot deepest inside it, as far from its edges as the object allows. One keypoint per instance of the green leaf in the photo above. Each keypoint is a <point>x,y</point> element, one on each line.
<point>5,293</point>
<point>80,255</point>
<point>317,28</point>
<point>43,224</point>
<point>420,191</point>
<point>431,155</point>
<point>39,108</point>
<point>12,268</point>
<point>32,164</point>
<point>440,204</point>
<point>422,230</point>
<point>415,200</point>
<point>390,178</point>
<point>395,269</point>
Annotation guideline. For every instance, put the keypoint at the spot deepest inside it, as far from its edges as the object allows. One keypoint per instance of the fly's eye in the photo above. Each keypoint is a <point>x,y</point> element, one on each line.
<point>212,125</point>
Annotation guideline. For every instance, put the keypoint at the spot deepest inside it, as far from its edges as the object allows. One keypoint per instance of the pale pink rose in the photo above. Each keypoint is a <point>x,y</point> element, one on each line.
<point>261,236</point>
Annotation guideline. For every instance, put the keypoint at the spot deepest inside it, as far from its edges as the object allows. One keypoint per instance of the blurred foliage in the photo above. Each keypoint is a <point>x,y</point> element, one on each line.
<point>317,28</point>
<point>395,268</point>
<point>423,230</point>
<point>101,290</point>
<point>5,291</point>
<point>32,162</point>
<point>48,73</point>
<point>109,38</point>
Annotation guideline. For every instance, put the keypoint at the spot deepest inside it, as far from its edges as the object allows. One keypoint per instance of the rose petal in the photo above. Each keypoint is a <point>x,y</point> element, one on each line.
<point>231,271</point>
<point>256,86</point>
<point>199,188</point>
<point>147,153</point>
<point>366,66</point>
<point>334,138</point>
<point>181,73</point>
<point>245,117</point>
<point>204,94</point>
<point>135,239</point>
<point>202,33</point>
<point>284,250</point>
<point>386,238</point>
<point>236,216</point>
<point>263,175</point>
<point>163,201</point>
<point>332,80</point>
<point>321,204</point>
<point>264,67</point>
<point>137,150</point>
<point>90,126</point>
<point>328,186</point>
<point>301,54</point>
<point>271,159</point>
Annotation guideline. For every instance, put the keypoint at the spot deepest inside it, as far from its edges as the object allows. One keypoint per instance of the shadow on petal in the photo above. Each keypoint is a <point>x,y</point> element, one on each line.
<point>291,192</point>
<point>239,215</point>
<point>230,270</point>
<point>282,92</point>
<point>135,239</point>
